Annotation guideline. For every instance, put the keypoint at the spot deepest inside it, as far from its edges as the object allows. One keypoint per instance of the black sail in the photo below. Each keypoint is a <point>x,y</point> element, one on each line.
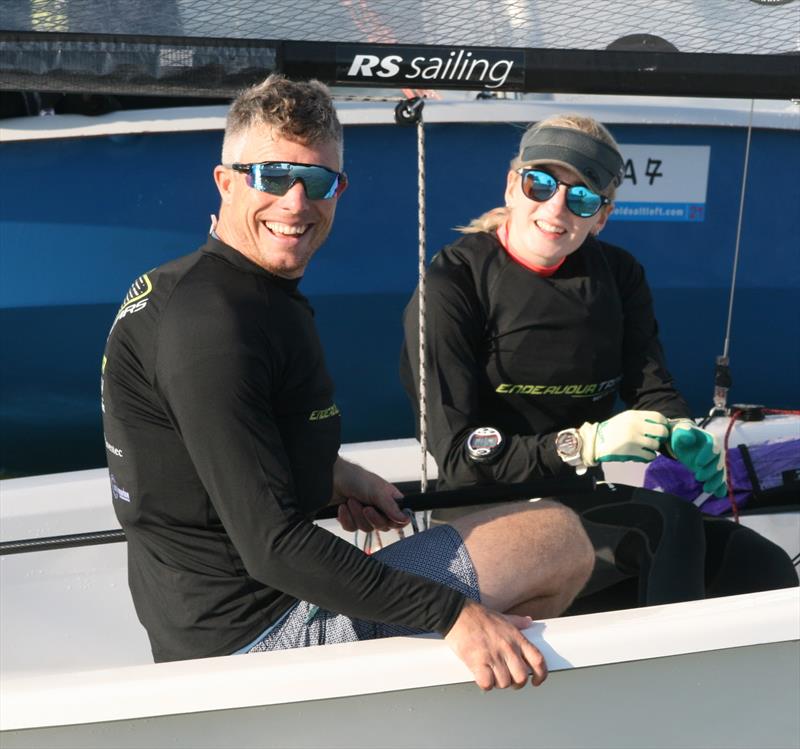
<point>200,48</point>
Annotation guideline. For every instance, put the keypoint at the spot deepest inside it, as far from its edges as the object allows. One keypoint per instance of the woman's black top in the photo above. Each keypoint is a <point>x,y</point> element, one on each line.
<point>531,355</point>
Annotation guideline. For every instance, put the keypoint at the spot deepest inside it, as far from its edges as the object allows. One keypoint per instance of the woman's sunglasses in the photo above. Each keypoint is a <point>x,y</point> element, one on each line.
<point>541,186</point>
<point>278,177</point>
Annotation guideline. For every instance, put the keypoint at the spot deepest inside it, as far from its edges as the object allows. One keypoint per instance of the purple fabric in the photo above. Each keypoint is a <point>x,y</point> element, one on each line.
<point>770,460</point>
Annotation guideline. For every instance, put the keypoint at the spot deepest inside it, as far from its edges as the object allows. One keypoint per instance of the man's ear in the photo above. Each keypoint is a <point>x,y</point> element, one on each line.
<point>223,178</point>
<point>344,182</point>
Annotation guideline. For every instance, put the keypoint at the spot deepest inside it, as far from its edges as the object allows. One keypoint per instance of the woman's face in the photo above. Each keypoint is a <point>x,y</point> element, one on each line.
<point>545,233</point>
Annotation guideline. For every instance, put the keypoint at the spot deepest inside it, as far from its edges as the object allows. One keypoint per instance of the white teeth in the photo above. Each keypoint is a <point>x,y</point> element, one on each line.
<point>550,227</point>
<point>285,229</point>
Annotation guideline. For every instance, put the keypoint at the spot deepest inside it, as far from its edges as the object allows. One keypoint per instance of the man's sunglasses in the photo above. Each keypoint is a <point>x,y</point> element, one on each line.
<point>540,186</point>
<point>278,177</point>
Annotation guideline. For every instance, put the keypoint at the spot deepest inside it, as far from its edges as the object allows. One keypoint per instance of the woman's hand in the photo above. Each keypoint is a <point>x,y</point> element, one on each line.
<point>630,435</point>
<point>700,452</point>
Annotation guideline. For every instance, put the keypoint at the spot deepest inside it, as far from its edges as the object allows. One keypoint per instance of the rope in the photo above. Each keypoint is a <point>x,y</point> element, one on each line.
<point>361,97</point>
<point>731,498</point>
<point>423,409</point>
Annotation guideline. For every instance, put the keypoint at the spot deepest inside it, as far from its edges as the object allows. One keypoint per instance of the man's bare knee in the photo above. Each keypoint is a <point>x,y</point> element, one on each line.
<point>575,547</point>
<point>582,549</point>
<point>526,551</point>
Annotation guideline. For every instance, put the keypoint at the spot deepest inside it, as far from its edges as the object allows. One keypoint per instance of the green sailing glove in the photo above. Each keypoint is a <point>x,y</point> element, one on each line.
<point>631,435</point>
<point>699,451</point>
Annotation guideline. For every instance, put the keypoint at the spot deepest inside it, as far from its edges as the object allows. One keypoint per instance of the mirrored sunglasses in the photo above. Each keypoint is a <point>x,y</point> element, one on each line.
<point>540,186</point>
<point>278,177</point>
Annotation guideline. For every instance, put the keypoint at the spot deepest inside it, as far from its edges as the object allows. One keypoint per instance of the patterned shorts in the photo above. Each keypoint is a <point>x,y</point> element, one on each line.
<point>438,554</point>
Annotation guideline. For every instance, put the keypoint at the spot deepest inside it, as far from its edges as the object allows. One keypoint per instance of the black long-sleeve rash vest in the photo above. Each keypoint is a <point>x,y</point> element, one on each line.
<point>530,354</point>
<point>221,434</point>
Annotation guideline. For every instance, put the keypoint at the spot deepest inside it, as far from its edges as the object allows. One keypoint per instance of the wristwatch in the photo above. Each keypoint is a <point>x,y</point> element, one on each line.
<point>568,446</point>
<point>485,444</point>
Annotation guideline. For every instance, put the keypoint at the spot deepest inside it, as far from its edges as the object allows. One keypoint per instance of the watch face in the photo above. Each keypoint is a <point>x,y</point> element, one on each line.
<point>567,443</point>
<point>483,443</point>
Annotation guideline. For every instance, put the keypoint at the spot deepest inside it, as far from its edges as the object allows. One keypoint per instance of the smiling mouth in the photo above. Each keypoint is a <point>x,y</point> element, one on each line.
<point>550,228</point>
<point>286,231</point>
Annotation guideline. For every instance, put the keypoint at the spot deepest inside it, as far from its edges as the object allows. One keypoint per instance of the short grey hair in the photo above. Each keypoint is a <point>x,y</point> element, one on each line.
<point>300,111</point>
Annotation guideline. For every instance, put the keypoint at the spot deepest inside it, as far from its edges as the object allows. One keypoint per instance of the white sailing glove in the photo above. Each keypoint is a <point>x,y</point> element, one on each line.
<point>631,435</point>
<point>700,452</point>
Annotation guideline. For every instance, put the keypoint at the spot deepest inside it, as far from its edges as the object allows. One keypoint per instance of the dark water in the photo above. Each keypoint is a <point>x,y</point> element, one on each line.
<point>49,380</point>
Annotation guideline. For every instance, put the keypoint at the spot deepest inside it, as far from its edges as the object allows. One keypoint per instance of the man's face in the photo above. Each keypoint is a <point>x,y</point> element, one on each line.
<point>279,233</point>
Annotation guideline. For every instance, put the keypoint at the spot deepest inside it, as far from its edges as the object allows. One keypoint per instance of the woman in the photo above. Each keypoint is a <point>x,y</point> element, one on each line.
<point>534,327</point>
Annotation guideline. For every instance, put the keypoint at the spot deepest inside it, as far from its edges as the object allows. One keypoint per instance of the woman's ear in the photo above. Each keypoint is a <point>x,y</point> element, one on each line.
<point>603,219</point>
<point>511,184</point>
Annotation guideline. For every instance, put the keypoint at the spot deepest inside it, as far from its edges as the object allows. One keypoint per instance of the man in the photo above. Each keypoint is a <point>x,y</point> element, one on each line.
<point>222,437</point>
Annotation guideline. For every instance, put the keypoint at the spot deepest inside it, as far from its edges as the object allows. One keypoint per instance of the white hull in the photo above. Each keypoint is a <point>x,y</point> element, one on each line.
<point>77,669</point>
<point>721,672</point>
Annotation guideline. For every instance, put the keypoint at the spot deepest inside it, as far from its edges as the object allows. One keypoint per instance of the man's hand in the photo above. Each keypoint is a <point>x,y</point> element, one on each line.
<point>631,435</point>
<point>366,501</point>
<point>699,451</point>
<point>493,648</point>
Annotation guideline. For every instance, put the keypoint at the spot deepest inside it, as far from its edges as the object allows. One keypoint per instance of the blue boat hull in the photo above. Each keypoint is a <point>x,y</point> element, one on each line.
<point>81,218</point>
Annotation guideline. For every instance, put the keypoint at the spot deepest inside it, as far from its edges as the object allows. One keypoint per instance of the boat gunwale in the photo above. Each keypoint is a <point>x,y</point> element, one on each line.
<point>619,110</point>
<point>332,671</point>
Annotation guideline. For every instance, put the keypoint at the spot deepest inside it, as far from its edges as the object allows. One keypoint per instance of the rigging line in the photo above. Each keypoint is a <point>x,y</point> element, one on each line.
<point>423,431</point>
<point>726,344</point>
<point>365,98</point>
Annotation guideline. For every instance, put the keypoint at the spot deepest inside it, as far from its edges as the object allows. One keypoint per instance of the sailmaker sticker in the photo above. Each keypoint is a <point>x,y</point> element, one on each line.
<point>470,68</point>
<point>117,492</point>
<point>663,183</point>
